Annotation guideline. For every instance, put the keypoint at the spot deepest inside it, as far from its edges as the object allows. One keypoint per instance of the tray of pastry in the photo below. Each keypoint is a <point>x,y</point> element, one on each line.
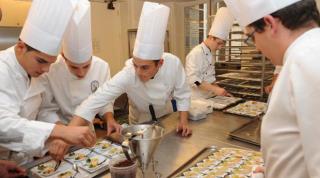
<point>224,162</point>
<point>248,108</point>
<point>90,162</point>
<point>221,102</point>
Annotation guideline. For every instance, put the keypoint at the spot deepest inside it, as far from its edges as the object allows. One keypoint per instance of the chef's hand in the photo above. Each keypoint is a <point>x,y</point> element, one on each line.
<point>183,128</point>
<point>74,135</point>
<point>258,172</point>
<point>9,169</point>
<point>222,92</point>
<point>268,89</point>
<point>58,148</point>
<point>113,126</point>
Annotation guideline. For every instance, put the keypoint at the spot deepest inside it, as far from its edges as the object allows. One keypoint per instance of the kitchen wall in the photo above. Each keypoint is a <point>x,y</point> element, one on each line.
<point>110,27</point>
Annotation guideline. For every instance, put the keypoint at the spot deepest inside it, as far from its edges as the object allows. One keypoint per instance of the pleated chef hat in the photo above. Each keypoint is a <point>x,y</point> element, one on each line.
<point>222,23</point>
<point>77,43</point>
<point>248,11</point>
<point>46,23</point>
<point>149,44</point>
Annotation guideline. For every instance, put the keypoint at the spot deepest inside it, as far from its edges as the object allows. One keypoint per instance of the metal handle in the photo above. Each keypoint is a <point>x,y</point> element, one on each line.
<point>153,114</point>
<point>125,148</point>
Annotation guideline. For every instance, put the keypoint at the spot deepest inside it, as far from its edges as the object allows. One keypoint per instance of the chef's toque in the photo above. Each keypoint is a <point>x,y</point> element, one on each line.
<point>46,23</point>
<point>222,23</point>
<point>149,44</point>
<point>249,11</point>
<point>77,43</point>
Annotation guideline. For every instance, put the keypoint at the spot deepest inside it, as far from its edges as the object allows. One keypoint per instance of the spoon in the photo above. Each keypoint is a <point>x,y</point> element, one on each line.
<point>76,168</point>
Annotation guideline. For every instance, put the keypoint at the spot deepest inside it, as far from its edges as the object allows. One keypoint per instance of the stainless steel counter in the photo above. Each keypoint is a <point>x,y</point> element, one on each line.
<point>175,150</point>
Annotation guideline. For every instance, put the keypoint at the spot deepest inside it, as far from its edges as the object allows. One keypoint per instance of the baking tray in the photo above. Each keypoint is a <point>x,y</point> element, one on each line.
<point>229,110</point>
<point>222,102</point>
<point>224,162</point>
<point>249,133</point>
<point>196,158</point>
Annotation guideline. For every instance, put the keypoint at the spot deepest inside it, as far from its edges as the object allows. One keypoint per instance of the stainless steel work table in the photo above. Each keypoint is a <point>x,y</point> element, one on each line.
<point>175,150</point>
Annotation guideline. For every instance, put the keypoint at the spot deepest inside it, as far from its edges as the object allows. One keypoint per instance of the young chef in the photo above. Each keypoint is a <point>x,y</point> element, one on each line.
<point>200,68</point>
<point>150,79</point>
<point>73,77</point>
<point>287,32</point>
<point>32,55</point>
<point>10,168</point>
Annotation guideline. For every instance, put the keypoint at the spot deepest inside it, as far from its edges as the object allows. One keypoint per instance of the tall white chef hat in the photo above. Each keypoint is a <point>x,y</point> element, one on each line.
<point>149,44</point>
<point>46,24</point>
<point>222,23</point>
<point>77,44</point>
<point>248,11</point>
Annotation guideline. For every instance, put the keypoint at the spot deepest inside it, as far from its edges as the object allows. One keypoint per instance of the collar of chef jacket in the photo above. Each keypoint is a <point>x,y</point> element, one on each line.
<point>206,51</point>
<point>20,70</point>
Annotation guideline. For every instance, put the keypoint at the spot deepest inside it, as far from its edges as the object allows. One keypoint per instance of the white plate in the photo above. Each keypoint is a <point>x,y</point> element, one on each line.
<point>101,161</point>
<point>78,155</point>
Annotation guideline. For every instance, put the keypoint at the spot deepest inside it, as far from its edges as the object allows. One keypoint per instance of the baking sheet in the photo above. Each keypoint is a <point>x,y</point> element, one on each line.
<point>249,108</point>
<point>222,102</point>
<point>249,133</point>
<point>224,162</point>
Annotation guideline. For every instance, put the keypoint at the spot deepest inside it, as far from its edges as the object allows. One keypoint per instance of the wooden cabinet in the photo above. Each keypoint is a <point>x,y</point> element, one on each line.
<point>14,12</point>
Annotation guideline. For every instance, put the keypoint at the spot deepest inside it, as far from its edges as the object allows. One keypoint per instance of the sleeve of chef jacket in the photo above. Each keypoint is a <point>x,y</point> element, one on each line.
<point>193,67</point>
<point>305,83</point>
<point>49,107</point>
<point>108,107</point>
<point>33,134</point>
<point>105,95</point>
<point>181,91</point>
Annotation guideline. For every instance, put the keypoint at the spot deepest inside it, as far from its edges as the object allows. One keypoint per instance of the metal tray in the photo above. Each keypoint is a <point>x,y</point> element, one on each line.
<point>84,173</point>
<point>224,102</point>
<point>196,158</point>
<point>240,114</point>
<point>249,133</point>
<point>232,160</point>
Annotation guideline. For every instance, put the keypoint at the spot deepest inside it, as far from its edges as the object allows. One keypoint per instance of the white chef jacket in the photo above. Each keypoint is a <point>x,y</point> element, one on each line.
<point>17,117</point>
<point>64,91</point>
<point>169,82</point>
<point>290,128</point>
<point>200,67</point>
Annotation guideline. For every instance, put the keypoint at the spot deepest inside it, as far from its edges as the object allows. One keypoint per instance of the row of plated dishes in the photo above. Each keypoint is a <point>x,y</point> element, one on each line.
<point>89,160</point>
<point>225,163</point>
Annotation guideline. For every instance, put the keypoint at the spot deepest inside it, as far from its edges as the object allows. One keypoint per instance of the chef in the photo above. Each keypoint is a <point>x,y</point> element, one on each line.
<point>74,76</point>
<point>9,168</point>
<point>199,66</point>
<point>287,32</point>
<point>151,78</point>
<point>32,55</point>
